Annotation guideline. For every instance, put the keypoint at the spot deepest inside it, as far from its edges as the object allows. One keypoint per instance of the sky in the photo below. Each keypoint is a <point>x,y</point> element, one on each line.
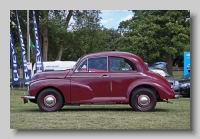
<point>112,18</point>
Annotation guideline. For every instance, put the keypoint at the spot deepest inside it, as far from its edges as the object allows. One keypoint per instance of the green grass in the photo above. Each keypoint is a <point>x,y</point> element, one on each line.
<point>177,74</point>
<point>165,116</point>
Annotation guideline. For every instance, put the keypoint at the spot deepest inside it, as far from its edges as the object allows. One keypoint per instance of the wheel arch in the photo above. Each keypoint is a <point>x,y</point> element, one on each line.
<point>50,87</point>
<point>144,86</point>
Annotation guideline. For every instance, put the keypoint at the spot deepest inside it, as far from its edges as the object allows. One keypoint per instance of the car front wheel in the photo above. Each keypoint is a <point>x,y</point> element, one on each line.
<point>50,100</point>
<point>143,99</point>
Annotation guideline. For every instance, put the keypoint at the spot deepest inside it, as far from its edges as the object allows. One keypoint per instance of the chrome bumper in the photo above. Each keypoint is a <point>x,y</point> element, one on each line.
<point>26,98</point>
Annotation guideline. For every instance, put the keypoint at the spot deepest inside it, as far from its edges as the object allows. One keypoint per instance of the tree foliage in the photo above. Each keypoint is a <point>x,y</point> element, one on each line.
<point>154,35</point>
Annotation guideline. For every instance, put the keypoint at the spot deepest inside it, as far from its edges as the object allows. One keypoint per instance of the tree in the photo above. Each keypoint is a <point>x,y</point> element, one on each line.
<point>62,32</point>
<point>45,35</point>
<point>158,35</point>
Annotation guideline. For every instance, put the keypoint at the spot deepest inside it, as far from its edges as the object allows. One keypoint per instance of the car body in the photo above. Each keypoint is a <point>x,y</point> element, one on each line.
<point>184,84</point>
<point>102,77</point>
<point>161,65</point>
<point>168,77</point>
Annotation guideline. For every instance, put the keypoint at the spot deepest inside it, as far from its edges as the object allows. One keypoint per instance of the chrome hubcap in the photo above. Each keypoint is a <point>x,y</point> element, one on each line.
<point>49,101</point>
<point>143,100</point>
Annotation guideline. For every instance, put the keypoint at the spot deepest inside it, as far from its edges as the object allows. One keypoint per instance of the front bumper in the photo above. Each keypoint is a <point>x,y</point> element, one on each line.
<point>26,98</point>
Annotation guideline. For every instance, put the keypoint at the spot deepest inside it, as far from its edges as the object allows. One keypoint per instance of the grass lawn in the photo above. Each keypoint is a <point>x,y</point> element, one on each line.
<point>177,74</point>
<point>165,116</point>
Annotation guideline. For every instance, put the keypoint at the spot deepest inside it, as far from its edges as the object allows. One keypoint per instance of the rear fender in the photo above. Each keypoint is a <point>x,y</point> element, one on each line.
<point>164,91</point>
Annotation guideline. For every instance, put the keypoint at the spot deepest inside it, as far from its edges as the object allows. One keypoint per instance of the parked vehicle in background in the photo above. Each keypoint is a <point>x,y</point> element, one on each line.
<point>161,65</point>
<point>184,84</point>
<point>168,77</point>
<point>53,65</point>
<point>104,77</point>
<point>158,63</point>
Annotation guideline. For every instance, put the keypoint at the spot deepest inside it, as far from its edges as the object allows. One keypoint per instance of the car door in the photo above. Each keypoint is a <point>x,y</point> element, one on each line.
<point>90,82</point>
<point>122,73</point>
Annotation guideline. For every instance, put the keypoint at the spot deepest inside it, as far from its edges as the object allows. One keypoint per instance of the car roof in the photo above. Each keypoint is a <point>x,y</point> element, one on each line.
<point>133,57</point>
<point>111,53</point>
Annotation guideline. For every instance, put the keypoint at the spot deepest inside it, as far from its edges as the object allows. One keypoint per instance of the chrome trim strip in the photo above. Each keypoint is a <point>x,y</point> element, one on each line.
<point>29,97</point>
<point>52,77</point>
<point>101,76</point>
<point>107,64</point>
<point>88,76</point>
<point>111,86</point>
<point>87,66</point>
<point>123,76</point>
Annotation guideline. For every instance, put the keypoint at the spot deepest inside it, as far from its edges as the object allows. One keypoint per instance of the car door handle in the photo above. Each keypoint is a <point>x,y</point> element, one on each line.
<point>105,76</point>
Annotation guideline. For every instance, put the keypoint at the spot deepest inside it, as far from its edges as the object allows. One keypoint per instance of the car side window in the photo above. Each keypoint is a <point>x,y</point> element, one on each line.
<point>82,67</point>
<point>121,64</point>
<point>97,64</point>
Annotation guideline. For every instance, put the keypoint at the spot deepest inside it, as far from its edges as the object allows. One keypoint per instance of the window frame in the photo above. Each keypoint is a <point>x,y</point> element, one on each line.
<point>133,66</point>
<point>87,69</point>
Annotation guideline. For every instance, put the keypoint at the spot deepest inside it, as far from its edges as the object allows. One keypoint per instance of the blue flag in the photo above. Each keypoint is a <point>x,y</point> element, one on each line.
<point>38,53</point>
<point>26,75</point>
<point>13,59</point>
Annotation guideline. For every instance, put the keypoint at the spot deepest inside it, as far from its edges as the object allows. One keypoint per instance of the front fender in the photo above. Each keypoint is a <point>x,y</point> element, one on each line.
<point>78,88</point>
<point>62,85</point>
<point>164,91</point>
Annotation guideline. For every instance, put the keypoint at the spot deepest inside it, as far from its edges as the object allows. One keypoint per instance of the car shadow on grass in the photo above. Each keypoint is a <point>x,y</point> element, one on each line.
<point>70,109</point>
<point>107,109</point>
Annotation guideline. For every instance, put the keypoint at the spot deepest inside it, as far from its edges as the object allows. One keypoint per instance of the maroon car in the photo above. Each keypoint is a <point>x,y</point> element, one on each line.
<point>103,77</point>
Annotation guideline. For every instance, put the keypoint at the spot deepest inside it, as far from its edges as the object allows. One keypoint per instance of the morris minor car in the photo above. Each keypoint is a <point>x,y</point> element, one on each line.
<point>103,77</point>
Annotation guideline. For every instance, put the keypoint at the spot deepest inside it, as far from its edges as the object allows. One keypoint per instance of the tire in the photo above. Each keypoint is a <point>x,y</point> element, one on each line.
<point>130,105</point>
<point>62,106</point>
<point>143,99</point>
<point>50,100</point>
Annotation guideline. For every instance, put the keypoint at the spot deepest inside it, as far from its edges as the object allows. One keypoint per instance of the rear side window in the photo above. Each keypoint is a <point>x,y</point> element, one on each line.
<point>121,64</point>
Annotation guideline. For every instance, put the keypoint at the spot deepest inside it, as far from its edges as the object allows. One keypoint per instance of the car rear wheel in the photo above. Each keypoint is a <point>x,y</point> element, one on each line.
<point>50,100</point>
<point>143,99</point>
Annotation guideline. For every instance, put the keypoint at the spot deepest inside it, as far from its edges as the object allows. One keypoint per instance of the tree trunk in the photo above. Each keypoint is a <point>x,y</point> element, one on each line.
<point>59,54</point>
<point>45,43</point>
<point>40,41</point>
<point>69,17</point>
<point>169,64</point>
